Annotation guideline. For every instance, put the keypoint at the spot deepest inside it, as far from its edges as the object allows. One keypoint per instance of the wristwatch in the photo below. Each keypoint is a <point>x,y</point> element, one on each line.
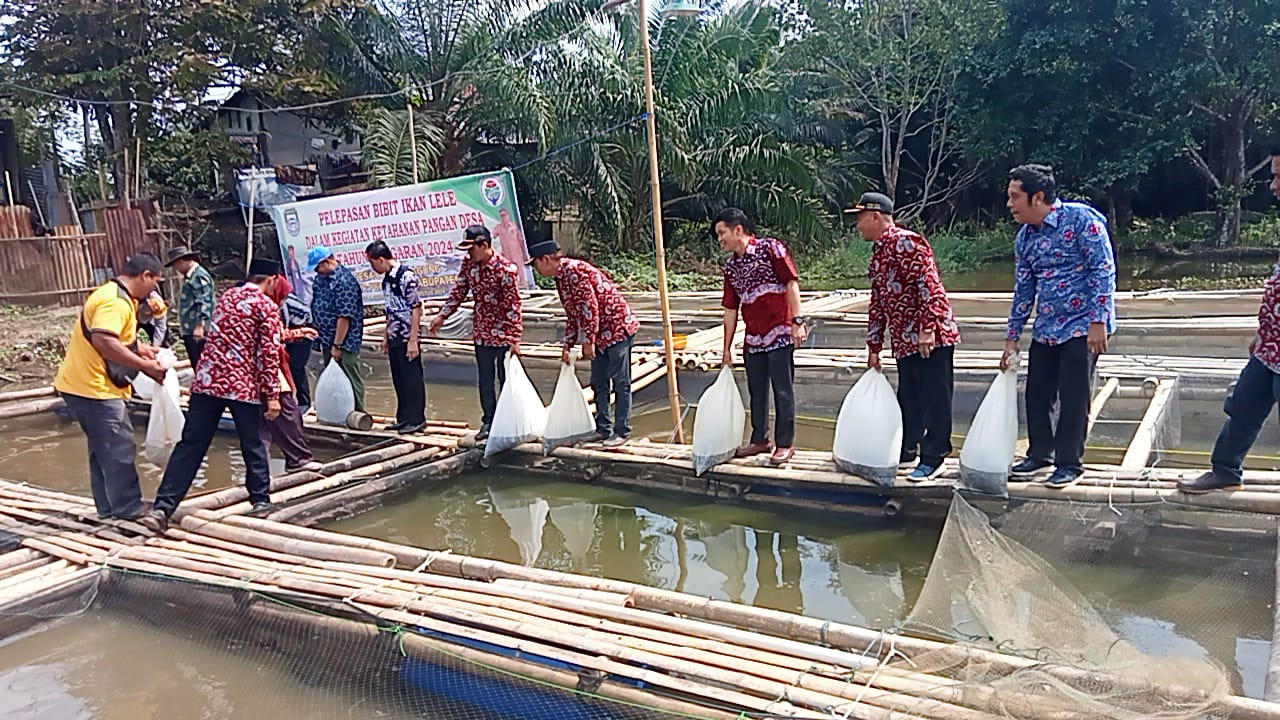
<point>800,320</point>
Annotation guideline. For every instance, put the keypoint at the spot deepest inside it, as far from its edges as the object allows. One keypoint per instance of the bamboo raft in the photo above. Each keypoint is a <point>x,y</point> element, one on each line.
<point>651,648</point>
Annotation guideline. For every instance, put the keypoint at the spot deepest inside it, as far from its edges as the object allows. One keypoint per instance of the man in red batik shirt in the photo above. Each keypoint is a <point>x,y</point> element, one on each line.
<point>762,281</point>
<point>239,370</point>
<point>1256,391</point>
<point>497,324</point>
<point>908,298</point>
<point>598,317</point>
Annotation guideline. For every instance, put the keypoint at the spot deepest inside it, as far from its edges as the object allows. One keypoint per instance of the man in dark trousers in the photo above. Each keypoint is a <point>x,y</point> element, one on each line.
<point>239,370</point>
<point>103,354</point>
<point>195,300</point>
<point>492,281</point>
<point>1065,269</point>
<point>1255,393</point>
<point>761,281</point>
<point>400,342</point>
<point>908,298</point>
<point>598,317</point>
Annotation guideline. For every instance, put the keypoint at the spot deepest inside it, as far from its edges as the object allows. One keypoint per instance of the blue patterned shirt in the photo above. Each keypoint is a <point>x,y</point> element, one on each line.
<point>1066,271</point>
<point>334,296</point>
<point>400,292</point>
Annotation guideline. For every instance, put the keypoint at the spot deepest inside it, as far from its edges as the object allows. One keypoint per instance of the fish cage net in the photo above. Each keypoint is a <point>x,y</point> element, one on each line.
<point>185,649</point>
<point>1066,584</point>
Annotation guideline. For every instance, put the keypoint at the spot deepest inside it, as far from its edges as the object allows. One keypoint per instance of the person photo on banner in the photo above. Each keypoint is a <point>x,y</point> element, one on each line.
<point>510,242</point>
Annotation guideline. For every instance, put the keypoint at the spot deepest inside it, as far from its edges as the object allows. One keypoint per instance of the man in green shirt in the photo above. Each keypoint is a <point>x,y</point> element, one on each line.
<point>195,301</point>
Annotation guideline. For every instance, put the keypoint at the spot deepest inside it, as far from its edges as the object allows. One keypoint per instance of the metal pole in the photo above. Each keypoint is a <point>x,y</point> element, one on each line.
<point>660,253</point>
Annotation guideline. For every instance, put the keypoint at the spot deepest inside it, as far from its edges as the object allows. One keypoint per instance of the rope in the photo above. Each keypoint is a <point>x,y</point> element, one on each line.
<point>565,148</point>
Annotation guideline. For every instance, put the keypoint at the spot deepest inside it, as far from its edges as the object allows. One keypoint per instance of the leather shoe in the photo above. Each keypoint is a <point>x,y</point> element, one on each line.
<point>751,449</point>
<point>782,455</point>
<point>155,521</point>
<point>260,507</point>
<point>1208,482</point>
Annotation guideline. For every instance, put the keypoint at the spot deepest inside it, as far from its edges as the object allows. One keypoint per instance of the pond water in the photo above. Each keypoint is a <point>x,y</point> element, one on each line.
<point>828,566</point>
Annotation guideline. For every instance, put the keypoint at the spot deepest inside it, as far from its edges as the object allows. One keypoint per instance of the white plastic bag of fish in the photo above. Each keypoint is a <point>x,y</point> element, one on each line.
<point>718,425</point>
<point>334,397</point>
<point>520,416</point>
<point>164,427</point>
<point>992,442</point>
<point>569,417</point>
<point>868,439</point>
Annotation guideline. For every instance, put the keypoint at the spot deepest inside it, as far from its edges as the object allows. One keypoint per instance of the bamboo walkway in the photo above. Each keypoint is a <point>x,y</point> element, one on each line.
<point>648,647</point>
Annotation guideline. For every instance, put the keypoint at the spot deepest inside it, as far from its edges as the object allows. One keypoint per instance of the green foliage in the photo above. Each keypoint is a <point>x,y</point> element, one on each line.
<point>186,160</point>
<point>388,153</point>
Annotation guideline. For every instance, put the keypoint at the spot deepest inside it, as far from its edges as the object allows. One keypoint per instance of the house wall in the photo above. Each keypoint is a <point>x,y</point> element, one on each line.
<point>290,139</point>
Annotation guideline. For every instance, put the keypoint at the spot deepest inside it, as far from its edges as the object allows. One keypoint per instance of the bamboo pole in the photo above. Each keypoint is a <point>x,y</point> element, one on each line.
<point>413,139</point>
<point>1144,438</point>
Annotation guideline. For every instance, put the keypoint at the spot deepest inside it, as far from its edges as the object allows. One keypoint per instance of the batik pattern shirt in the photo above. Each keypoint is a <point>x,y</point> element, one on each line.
<point>1267,343</point>
<point>907,295</point>
<point>400,292</point>
<point>338,295</point>
<point>195,301</point>
<point>595,310</point>
<point>241,357</point>
<point>494,286</point>
<point>757,281</point>
<point>1066,271</point>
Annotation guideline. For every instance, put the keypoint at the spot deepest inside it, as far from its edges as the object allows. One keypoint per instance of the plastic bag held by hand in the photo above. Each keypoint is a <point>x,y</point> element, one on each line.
<point>519,416</point>
<point>992,441</point>
<point>164,427</point>
<point>869,430</point>
<point>718,425</point>
<point>334,398</point>
<point>568,416</point>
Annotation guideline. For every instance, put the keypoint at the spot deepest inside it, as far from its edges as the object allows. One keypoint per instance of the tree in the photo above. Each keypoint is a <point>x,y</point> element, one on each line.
<point>1232,53</point>
<point>131,61</point>
<point>888,70</point>
<point>721,110</point>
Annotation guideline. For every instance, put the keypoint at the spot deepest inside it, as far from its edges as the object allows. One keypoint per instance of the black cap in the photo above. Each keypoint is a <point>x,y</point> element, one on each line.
<point>541,248</point>
<point>180,252</point>
<point>873,201</point>
<point>474,234</point>
<point>263,266</point>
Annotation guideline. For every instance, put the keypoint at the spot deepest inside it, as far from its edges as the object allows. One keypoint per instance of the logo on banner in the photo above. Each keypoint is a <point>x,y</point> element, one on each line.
<point>291,222</point>
<point>491,189</point>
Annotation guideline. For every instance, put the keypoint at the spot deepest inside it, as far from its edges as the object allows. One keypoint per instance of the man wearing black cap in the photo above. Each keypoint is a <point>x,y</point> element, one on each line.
<point>600,318</point>
<point>195,300</point>
<point>492,281</point>
<point>908,298</point>
<point>239,370</point>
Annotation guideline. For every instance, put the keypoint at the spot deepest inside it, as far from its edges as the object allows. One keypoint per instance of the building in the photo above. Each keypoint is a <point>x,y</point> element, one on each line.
<point>296,141</point>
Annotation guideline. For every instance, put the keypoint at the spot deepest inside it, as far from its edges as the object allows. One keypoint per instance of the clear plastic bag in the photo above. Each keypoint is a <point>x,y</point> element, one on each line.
<point>144,388</point>
<point>719,422</point>
<point>520,416</point>
<point>164,427</point>
<point>992,442</point>
<point>868,440</point>
<point>568,416</point>
<point>334,398</point>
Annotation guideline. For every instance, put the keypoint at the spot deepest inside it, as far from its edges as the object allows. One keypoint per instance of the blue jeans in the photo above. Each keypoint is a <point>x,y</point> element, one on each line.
<point>1247,408</point>
<point>611,372</point>
<point>113,477</point>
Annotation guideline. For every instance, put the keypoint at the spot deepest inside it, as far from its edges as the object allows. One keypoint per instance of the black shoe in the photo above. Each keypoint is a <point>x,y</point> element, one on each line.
<point>260,507</point>
<point>599,436</point>
<point>1029,467</point>
<point>411,429</point>
<point>1209,482</point>
<point>155,521</point>
<point>483,433</point>
<point>1063,477</point>
<point>395,427</point>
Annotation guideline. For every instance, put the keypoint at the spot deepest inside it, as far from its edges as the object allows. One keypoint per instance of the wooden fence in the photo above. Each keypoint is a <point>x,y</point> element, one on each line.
<point>67,265</point>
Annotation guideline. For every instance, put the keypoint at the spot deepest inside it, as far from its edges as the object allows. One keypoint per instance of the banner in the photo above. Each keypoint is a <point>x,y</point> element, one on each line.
<point>421,224</point>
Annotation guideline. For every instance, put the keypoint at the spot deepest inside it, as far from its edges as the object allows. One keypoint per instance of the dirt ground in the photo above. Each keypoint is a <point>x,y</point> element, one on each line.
<point>32,343</point>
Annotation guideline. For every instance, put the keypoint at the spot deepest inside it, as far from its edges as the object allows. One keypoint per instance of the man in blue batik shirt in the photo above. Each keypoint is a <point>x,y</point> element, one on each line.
<point>1064,269</point>
<point>337,309</point>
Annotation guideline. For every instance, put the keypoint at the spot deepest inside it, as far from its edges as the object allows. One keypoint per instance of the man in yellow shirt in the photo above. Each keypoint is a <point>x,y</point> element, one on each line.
<point>102,356</point>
